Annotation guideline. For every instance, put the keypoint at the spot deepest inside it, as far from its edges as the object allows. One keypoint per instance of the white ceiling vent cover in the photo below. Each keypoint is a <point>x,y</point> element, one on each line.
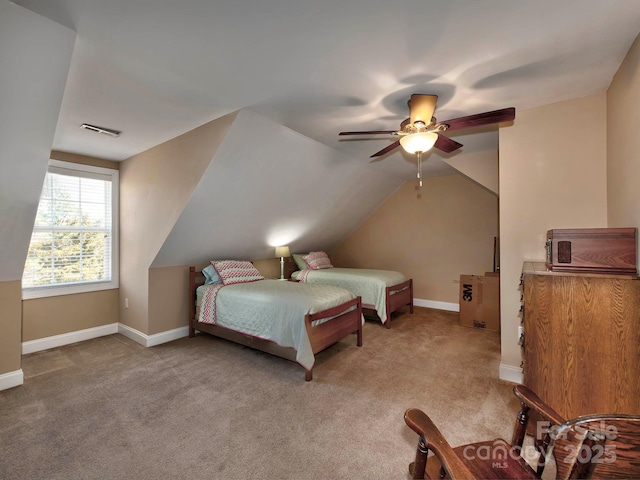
<point>105,131</point>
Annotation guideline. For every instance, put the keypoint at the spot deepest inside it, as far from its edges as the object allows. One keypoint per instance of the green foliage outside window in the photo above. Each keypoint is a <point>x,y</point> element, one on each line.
<point>71,240</point>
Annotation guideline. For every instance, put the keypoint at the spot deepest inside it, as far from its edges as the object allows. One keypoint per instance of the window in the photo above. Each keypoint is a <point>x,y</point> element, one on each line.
<point>74,245</point>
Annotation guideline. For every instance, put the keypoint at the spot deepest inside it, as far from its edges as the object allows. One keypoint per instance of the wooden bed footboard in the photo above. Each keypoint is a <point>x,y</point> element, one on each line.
<point>339,322</point>
<point>196,278</point>
<point>397,296</point>
<point>347,318</point>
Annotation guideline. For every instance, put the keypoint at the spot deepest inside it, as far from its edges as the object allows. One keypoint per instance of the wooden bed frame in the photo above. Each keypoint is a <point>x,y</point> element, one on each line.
<point>321,336</point>
<point>396,297</point>
<point>402,295</point>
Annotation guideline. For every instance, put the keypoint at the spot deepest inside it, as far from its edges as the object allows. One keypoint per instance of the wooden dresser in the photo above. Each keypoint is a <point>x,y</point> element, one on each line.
<point>582,340</point>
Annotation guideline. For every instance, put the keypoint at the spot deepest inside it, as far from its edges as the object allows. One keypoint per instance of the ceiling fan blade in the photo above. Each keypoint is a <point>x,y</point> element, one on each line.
<point>372,132</point>
<point>480,119</point>
<point>421,107</point>
<point>395,144</point>
<point>446,144</point>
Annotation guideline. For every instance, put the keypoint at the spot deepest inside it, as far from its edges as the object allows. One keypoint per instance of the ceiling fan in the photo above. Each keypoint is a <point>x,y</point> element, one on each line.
<point>421,131</point>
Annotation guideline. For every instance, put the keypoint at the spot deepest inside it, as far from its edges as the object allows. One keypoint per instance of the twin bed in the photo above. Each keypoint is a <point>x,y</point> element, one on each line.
<point>382,291</point>
<point>291,319</point>
<point>286,319</point>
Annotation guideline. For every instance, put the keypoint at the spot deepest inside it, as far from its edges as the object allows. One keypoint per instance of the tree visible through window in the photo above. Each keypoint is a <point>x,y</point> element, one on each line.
<point>72,240</point>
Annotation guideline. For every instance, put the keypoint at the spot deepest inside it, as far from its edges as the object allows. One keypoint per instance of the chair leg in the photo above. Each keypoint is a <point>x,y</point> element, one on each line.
<point>542,446</point>
<point>417,468</point>
<point>520,428</point>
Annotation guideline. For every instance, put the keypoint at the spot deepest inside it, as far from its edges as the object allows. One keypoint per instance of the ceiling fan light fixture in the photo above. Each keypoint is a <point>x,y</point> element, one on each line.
<point>418,142</point>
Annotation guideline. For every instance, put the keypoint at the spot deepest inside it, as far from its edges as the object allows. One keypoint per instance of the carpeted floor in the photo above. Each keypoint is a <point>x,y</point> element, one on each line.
<point>201,408</point>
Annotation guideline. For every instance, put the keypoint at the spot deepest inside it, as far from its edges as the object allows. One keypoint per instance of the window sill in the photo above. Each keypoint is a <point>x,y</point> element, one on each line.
<point>43,292</point>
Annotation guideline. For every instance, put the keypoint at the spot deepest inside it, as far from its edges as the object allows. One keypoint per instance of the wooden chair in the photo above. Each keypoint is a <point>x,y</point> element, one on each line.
<point>611,448</point>
<point>594,446</point>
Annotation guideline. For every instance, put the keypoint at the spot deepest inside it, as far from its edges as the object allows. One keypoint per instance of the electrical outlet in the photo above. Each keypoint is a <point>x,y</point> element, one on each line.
<point>126,303</point>
<point>520,333</point>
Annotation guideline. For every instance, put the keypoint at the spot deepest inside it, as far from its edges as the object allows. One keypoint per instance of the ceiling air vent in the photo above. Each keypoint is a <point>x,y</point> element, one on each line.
<point>105,131</point>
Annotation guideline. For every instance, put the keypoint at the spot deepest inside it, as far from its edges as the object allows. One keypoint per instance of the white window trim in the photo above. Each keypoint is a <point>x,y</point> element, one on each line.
<point>56,290</point>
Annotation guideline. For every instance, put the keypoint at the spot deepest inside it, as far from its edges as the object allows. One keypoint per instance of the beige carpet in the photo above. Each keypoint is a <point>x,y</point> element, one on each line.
<point>207,408</point>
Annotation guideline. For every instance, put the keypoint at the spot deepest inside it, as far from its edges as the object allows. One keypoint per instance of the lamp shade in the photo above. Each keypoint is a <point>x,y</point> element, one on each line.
<point>419,142</point>
<point>283,251</point>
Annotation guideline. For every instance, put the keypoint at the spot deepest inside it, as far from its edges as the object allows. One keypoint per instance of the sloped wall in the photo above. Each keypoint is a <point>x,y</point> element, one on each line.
<point>269,185</point>
<point>154,188</point>
<point>35,54</point>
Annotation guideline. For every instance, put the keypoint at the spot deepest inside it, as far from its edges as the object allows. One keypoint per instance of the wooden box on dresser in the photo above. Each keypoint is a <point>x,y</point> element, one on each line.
<point>582,340</point>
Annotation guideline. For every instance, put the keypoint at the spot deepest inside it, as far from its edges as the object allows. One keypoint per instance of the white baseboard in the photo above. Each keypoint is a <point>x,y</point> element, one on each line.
<point>155,339</point>
<point>511,373</point>
<point>452,307</point>
<point>11,379</point>
<point>40,344</point>
<point>67,338</point>
<point>133,334</point>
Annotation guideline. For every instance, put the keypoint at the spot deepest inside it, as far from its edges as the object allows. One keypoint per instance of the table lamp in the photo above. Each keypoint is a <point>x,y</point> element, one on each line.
<point>282,252</point>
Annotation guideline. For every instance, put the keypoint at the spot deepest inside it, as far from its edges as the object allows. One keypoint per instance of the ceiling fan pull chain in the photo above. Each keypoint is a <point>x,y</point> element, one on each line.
<point>419,169</point>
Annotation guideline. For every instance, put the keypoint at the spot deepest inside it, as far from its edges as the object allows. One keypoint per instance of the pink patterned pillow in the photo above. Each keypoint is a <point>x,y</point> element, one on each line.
<point>236,271</point>
<point>317,260</point>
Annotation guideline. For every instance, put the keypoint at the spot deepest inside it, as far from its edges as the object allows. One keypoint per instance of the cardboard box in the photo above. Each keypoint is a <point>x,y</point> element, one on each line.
<point>480,301</point>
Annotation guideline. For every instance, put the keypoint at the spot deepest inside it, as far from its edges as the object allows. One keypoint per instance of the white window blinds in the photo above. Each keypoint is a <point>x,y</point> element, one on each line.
<point>73,237</point>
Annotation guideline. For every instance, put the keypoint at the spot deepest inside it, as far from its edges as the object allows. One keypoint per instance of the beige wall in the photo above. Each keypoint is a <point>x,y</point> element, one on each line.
<point>10,339</point>
<point>154,188</point>
<point>432,235</point>
<point>270,267</point>
<point>623,143</point>
<point>45,317</point>
<point>169,298</point>
<point>84,159</point>
<point>552,175</point>
<point>481,167</point>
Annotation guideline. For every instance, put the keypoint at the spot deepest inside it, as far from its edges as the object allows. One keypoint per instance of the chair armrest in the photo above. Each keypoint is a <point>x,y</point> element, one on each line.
<point>529,398</point>
<point>420,423</point>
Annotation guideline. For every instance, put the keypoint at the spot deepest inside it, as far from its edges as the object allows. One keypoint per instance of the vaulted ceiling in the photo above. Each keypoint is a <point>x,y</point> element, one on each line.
<point>156,69</point>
